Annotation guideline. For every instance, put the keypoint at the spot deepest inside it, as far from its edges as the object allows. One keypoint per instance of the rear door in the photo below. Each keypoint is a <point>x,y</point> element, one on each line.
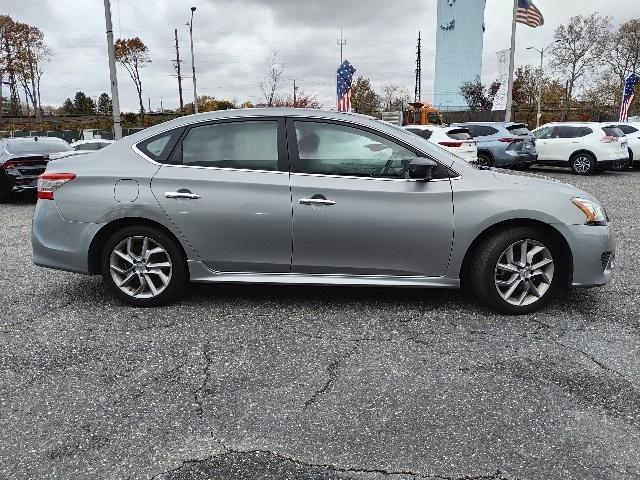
<point>354,211</point>
<point>226,189</point>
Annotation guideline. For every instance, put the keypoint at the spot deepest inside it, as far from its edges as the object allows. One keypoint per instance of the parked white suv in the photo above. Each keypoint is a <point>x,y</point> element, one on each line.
<point>457,140</point>
<point>586,147</point>
<point>632,131</point>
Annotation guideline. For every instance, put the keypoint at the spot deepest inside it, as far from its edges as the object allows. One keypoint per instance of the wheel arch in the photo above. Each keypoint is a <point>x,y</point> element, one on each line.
<point>583,150</point>
<point>101,237</point>
<point>513,223</point>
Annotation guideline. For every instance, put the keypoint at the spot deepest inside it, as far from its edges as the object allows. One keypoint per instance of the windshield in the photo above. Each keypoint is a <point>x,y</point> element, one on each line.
<point>39,146</point>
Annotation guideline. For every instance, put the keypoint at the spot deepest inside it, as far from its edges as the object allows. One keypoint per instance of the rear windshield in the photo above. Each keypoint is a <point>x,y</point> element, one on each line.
<point>519,129</point>
<point>31,146</point>
<point>613,131</point>
<point>627,129</point>
<point>459,134</point>
<point>91,146</point>
<point>424,133</point>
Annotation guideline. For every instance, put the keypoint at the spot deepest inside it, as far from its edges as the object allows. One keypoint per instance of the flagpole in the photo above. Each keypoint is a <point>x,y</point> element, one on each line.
<point>507,113</point>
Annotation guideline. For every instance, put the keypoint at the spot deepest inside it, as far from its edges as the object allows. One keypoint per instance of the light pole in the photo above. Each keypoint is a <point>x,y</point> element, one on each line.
<point>193,63</point>
<point>115,100</point>
<point>541,77</point>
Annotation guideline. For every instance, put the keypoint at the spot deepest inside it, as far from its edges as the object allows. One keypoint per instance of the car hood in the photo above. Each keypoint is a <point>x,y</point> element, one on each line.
<point>536,182</point>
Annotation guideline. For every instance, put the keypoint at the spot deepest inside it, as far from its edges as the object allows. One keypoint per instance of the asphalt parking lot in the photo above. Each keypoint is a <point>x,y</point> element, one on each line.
<point>258,382</point>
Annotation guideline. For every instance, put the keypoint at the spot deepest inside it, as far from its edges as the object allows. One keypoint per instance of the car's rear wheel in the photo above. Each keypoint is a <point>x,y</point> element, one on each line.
<point>143,266</point>
<point>517,271</point>
<point>485,160</point>
<point>583,163</point>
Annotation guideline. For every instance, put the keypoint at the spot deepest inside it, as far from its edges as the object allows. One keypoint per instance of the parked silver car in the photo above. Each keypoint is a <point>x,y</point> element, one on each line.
<point>312,197</point>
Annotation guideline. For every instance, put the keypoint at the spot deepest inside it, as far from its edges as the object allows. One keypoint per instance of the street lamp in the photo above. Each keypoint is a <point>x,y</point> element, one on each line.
<point>541,52</point>
<point>193,64</point>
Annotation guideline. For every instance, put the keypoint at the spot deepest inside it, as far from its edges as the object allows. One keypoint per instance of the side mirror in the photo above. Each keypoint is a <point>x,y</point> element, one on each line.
<point>421,169</point>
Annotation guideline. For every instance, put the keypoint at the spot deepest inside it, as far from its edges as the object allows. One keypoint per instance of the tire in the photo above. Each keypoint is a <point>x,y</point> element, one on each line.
<point>583,163</point>
<point>621,166</point>
<point>492,284</point>
<point>485,160</point>
<point>165,268</point>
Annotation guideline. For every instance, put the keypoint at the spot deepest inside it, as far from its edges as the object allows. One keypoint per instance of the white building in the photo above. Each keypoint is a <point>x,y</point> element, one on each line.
<point>459,41</point>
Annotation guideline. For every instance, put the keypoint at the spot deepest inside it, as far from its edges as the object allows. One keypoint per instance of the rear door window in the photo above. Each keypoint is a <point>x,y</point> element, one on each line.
<point>566,132</point>
<point>459,134</point>
<point>519,130</point>
<point>424,133</point>
<point>584,131</point>
<point>627,129</point>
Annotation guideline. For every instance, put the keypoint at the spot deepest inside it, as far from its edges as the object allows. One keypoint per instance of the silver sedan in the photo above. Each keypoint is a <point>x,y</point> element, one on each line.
<point>294,196</point>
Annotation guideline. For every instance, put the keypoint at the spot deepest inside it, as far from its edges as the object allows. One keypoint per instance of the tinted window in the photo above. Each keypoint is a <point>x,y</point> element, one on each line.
<point>613,131</point>
<point>160,146</point>
<point>416,118</point>
<point>566,132</point>
<point>250,144</point>
<point>426,134</point>
<point>33,146</point>
<point>584,131</point>
<point>91,146</point>
<point>482,131</point>
<point>544,132</point>
<point>332,149</point>
<point>627,129</point>
<point>459,134</point>
<point>519,130</point>
<point>433,118</point>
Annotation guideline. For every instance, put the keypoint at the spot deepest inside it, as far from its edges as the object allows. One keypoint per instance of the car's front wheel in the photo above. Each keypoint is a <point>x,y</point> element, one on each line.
<point>518,270</point>
<point>143,266</point>
<point>485,160</point>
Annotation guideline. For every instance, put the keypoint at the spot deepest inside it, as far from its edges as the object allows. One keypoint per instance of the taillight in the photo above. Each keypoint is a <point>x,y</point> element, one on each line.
<point>450,144</point>
<point>608,139</point>
<point>509,140</point>
<point>50,182</point>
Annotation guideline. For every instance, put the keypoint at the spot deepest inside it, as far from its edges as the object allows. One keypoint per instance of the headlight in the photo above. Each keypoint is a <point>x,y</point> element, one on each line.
<point>594,212</point>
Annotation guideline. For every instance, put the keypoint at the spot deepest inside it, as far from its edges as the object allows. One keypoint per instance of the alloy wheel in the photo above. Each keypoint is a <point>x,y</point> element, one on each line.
<point>524,272</point>
<point>582,164</point>
<point>140,267</point>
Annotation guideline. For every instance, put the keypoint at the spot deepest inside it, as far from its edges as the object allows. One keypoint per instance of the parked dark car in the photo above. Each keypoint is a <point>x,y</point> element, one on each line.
<point>23,159</point>
<point>502,144</point>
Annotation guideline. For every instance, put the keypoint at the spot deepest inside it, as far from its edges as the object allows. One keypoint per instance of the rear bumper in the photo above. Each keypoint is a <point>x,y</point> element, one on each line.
<point>593,249</point>
<point>515,158</point>
<point>60,244</point>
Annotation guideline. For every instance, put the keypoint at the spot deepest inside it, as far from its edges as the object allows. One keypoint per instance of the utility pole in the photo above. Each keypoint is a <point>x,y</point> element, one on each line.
<point>115,100</point>
<point>193,63</point>
<point>418,91</point>
<point>540,79</point>
<point>295,90</point>
<point>507,113</point>
<point>149,109</point>
<point>341,42</point>
<point>175,31</point>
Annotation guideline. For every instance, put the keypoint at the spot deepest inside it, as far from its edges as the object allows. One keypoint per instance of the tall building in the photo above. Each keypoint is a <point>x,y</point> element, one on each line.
<point>459,41</point>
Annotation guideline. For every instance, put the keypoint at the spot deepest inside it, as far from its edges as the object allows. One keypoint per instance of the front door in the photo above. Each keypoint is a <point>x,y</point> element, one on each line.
<point>354,212</point>
<point>228,194</point>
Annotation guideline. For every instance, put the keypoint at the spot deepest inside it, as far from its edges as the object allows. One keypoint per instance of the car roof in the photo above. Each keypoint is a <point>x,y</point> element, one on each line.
<point>491,124</point>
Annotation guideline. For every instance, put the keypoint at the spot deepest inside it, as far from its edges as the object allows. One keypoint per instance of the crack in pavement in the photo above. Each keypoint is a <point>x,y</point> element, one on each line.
<point>6,328</point>
<point>332,371</point>
<point>497,475</point>
<point>206,372</point>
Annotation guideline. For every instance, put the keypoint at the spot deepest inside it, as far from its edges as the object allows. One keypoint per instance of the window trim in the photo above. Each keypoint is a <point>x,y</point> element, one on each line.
<point>173,161</point>
<point>294,158</point>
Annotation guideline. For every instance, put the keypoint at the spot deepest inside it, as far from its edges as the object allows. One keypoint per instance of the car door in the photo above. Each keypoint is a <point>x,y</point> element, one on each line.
<point>544,143</point>
<point>355,213</point>
<point>226,189</point>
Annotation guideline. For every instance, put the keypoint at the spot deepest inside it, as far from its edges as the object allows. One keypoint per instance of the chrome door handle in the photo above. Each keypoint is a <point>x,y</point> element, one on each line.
<point>316,201</point>
<point>181,195</point>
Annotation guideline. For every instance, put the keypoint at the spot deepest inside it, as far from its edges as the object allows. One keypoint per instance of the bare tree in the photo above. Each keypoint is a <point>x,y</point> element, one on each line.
<point>578,48</point>
<point>133,54</point>
<point>395,96</point>
<point>272,73</point>
<point>622,55</point>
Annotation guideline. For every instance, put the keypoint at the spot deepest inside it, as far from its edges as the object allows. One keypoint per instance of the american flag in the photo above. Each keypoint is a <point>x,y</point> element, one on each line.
<point>627,96</point>
<point>345,76</point>
<point>529,14</point>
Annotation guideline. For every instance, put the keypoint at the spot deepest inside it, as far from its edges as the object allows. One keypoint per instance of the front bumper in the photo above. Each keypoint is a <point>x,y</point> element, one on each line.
<point>593,249</point>
<point>58,243</point>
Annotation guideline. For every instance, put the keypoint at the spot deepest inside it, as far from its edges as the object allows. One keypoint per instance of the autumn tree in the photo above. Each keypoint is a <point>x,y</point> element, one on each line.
<point>271,81</point>
<point>476,95</point>
<point>363,98</point>
<point>133,55</point>
<point>207,103</point>
<point>578,49</point>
